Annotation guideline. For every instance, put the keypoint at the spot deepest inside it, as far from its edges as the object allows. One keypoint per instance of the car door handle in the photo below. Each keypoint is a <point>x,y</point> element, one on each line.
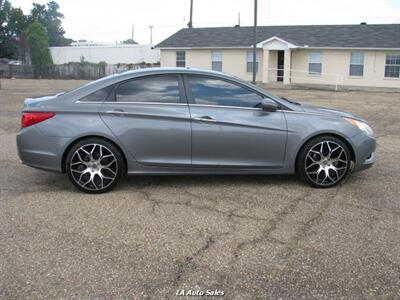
<point>117,112</point>
<point>205,119</point>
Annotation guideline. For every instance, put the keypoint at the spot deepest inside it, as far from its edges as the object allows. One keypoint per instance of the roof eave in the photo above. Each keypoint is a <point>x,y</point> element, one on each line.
<point>296,47</point>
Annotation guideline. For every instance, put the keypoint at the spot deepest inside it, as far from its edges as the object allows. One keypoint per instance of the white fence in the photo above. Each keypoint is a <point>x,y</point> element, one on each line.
<point>111,54</point>
<point>304,77</point>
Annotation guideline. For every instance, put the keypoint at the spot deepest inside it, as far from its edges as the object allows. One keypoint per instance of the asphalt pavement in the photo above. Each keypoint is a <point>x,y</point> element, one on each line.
<point>244,236</point>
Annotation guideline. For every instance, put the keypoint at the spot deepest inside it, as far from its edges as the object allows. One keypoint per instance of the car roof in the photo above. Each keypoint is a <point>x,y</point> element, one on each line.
<point>163,70</point>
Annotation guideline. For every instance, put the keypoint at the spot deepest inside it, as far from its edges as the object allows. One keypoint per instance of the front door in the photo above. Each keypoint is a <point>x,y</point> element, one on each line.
<point>228,128</point>
<point>150,117</point>
<point>280,65</point>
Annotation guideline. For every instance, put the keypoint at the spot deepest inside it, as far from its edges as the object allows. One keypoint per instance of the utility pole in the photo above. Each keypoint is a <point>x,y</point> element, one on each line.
<point>151,34</point>
<point>133,30</point>
<point>190,24</point>
<point>239,19</point>
<point>255,42</point>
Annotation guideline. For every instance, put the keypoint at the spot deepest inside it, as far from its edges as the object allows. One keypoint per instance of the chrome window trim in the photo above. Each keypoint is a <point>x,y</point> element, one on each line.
<point>223,106</point>
<point>150,115</point>
<point>141,103</point>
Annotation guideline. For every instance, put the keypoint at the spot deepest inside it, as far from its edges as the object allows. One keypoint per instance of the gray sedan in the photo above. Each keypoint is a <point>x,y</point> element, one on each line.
<point>187,121</point>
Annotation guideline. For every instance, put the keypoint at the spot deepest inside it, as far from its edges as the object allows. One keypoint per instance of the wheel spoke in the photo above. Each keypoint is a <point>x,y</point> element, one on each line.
<point>108,169</point>
<point>316,152</point>
<point>101,153</point>
<point>101,181</point>
<point>312,165</point>
<point>80,177</point>
<point>94,184</point>
<point>336,172</point>
<point>109,164</point>
<point>310,157</point>
<point>83,149</point>
<point>90,179</point>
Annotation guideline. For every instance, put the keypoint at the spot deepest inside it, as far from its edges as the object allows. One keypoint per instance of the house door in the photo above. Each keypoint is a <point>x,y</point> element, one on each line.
<point>280,66</point>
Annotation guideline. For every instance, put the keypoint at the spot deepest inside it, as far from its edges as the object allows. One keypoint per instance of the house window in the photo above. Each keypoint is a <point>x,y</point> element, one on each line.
<point>216,60</point>
<point>392,67</point>
<point>314,63</point>
<point>181,59</point>
<point>357,64</point>
<point>250,61</point>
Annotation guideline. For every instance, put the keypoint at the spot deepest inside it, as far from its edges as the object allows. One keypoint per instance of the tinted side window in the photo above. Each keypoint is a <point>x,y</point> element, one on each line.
<point>162,88</point>
<point>214,91</point>
<point>98,96</point>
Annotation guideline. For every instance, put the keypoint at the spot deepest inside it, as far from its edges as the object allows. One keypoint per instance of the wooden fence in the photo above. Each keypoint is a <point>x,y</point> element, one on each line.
<point>68,71</point>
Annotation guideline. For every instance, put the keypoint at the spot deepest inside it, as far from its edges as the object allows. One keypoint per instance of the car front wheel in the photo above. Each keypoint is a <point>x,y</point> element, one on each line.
<point>324,162</point>
<point>94,165</point>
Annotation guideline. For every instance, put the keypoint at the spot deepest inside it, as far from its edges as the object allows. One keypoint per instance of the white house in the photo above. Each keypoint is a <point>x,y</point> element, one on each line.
<point>350,55</point>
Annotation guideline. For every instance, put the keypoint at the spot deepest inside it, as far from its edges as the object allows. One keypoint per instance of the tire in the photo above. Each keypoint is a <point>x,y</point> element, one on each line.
<point>94,165</point>
<point>323,162</point>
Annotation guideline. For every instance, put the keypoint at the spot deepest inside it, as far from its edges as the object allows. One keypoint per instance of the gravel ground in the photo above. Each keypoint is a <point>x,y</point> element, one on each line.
<point>248,236</point>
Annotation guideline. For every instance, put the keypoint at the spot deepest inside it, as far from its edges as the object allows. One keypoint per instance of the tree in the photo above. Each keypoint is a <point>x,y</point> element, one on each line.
<point>50,17</point>
<point>13,22</point>
<point>129,41</point>
<point>38,46</point>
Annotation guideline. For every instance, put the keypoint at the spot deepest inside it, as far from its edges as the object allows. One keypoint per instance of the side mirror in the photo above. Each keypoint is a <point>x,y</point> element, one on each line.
<point>269,105</point>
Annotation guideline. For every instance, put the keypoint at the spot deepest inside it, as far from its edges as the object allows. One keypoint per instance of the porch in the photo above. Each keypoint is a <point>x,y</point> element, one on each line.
<point>277,56</point>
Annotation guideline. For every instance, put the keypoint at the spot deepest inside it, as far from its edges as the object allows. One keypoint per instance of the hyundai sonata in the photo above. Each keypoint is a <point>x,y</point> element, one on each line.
<point>187,121</point>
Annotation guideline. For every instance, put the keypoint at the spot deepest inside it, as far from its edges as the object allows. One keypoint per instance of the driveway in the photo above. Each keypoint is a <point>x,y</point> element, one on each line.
<point>248,236</point>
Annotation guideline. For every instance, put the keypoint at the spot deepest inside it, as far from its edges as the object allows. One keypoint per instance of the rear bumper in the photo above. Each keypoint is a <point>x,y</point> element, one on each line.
<point>40,151</point>
<point>364,150</point>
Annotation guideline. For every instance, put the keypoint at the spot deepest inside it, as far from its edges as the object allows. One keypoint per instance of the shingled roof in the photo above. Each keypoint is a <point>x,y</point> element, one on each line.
<point>331,36</point>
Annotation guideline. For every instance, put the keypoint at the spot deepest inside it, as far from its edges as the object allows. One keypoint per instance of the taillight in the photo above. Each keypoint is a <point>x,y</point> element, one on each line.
<point>30,118</point>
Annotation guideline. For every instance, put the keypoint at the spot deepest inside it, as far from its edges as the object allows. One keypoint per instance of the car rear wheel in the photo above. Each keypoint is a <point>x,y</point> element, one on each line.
<point>324,162</point>
<point>94,165</point>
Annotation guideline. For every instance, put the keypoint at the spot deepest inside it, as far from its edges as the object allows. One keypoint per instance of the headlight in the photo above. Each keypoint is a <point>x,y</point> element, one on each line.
<point>364,127</point>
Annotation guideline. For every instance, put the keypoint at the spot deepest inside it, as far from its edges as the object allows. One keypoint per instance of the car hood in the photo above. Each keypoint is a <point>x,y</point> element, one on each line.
<point>308,108</point>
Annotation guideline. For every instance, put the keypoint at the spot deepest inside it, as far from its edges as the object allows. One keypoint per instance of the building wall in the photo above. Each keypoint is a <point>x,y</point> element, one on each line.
<point>111,54</point>
<point>337,63</point>
<point>335,66</point>
<point>234,61</point>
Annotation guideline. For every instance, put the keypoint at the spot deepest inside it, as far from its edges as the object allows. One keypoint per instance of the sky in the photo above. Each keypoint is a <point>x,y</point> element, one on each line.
<point>111,21</point>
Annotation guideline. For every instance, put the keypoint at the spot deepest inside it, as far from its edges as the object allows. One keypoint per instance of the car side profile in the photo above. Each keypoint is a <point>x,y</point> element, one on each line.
<point>187,121</point>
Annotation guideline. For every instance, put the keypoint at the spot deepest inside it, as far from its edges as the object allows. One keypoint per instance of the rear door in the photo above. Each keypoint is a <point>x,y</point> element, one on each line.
<point>228,128</point>
<point>150,117</point>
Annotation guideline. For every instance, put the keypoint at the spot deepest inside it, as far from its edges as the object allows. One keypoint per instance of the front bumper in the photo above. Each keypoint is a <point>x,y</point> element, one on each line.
<point>364,150</point>
<point>40,151</point>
